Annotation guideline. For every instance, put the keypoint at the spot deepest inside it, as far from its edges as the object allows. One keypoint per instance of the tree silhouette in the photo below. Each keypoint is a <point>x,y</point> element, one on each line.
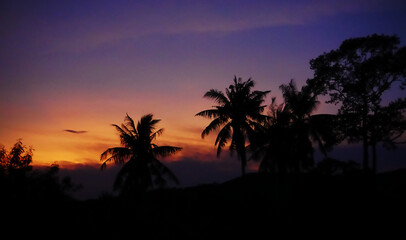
<point>387,125</point>
<point>355,76</point>
<point>285,144</point>
<point>141,169</point>
<point>273,147</point>
<point>19,182</point>
<point>238,114</point>
<point>14,167</point>
<point>19,157</point>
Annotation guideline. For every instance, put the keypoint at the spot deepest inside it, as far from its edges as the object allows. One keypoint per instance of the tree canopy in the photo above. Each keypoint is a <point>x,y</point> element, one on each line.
<point>138,154</point>
<point>355,76</point>
<point>237,115</point>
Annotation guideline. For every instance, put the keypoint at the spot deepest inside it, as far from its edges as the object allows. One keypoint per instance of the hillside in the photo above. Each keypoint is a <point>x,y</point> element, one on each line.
<point>254,205</point>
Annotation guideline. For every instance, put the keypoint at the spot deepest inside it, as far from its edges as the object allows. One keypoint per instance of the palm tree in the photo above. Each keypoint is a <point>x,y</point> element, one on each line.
<point>141,169</point>
<point>285,142</point>
<point>274,146</point>
<point>238,113</point>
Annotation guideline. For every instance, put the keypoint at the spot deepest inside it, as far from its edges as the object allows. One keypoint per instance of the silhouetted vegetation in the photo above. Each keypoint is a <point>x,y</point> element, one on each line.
<point>333,167</point>
<point>387,126</point>
<point>238,115</point>
<point>18,158</point>
<point>308,205</point>
<point>356,75</point>
<point>20,182</point>
<point>284,144</point>
<point>141,169</point>
<point>291,191</point>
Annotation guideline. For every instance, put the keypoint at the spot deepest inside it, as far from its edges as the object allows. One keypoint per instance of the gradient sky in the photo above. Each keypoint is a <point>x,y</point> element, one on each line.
<point>82,65</point>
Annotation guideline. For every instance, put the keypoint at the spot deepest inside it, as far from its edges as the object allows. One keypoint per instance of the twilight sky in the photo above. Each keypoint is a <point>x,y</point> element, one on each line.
<point>82,65</point>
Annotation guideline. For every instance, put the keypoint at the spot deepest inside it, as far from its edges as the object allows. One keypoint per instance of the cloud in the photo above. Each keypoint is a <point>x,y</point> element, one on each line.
<point>122,22</point>
<point>74,131</point>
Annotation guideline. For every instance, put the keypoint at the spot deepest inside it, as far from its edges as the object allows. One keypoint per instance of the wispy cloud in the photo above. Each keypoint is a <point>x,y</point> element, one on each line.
<point>74,131</point>
<point>82,32</point>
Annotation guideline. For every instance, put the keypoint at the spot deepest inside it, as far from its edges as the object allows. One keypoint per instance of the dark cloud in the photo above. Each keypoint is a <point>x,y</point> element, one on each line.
<point>74,131</point>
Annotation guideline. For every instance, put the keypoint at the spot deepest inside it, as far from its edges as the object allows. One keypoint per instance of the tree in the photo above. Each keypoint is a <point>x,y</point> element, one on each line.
<point>14,169</point>
<point>19,157</point>
<point>141,169</point>
<point>387,125</point>
<point>238,114</point>
<point>355,76</point>
<point>286,142</point>
<point>19,182</point>
<point>273,147</point>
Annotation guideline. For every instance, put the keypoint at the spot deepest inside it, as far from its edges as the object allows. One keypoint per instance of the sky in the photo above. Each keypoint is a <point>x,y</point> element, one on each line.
<point>82,65</point>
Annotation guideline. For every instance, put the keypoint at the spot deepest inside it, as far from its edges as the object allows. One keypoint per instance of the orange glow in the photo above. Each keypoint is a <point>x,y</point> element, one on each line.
<point>45,131</point>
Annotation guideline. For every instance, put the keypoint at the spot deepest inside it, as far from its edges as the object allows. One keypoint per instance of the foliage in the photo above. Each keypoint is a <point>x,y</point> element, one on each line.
<point>332,167</point>
<point>19,157</point>
<point>285,143</point>
<point>18,180</point>
<point>237,115</point>
<point>141,169</point>
<point>388,124</point>
<point>355,76</point>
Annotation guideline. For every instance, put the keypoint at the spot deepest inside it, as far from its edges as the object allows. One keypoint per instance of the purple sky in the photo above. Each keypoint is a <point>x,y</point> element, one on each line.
<point>82,65</point>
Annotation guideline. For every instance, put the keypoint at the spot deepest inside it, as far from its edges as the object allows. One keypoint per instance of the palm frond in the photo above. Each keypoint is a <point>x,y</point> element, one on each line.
<point>118,159</point>
<point>216,95</point>
<point>147,123</point>
<point>222,138</point>
<point>119,129</point>
<point>164,151</point>
<point>258,96</point>
<point>126,137</point>
<point>154,122</point>
<point>157,134</point>
<point>126,130</point>
<point>213,126</point>
<point>119,156</point>
<point>249,83</point>
<point>209,113</point>
<point>130,122</point>
<point>258,118</point>
<point>113,151</point>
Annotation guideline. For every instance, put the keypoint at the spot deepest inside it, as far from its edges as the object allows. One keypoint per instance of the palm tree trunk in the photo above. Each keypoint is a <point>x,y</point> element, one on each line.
<point>243,163</point>
<point>365,161</point>
<point>240,147</point>
<point>373,145</point>
<point>242,155</point>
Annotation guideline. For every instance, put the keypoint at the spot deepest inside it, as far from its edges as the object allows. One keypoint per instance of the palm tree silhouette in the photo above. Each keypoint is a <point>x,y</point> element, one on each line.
<point>285,141</point>
<point>141,170</point>
<point>274,146</point>
<point>238,114</point>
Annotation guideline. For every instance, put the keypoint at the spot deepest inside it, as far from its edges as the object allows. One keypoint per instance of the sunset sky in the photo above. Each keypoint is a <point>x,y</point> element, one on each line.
<point>82,65</point>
